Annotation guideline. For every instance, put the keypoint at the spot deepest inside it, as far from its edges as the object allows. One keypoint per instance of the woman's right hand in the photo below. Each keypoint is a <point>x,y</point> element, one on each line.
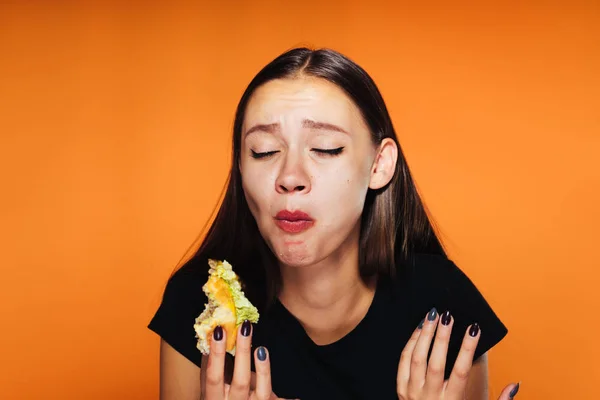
<point>245,384</point>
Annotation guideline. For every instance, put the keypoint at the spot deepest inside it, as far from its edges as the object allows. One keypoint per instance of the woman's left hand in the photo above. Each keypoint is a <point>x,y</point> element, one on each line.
<point>419,379</point>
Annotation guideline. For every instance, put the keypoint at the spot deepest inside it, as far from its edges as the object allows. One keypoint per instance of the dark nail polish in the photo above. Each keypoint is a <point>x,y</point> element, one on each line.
<point>246,328</point>
<point>446,318</point>
<point>514,392</point>
<point>432,314</point>
<point>474,330</point>
<point>261,353</point>
<point>421,323</point>
<point>218,333</point>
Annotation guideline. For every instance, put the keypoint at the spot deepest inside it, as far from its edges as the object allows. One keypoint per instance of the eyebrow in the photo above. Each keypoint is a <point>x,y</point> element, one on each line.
<point>306,123</point>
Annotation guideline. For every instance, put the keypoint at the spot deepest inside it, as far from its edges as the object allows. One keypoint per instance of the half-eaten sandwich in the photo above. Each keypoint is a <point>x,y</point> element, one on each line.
<point>227,306</point>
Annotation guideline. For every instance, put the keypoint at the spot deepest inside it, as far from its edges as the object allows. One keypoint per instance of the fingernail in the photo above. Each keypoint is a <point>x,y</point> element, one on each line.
<point>261,353</point>
<point>474,330</point>
<point>246,328</point>
<point>514,392</point>
<point>446,318</point>
<point>432,314</point>
<point>218,333</point>
<point>421,324</point>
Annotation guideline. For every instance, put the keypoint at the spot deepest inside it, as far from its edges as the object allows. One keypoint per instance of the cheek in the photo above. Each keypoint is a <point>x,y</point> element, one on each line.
<point>345,190</point>
<point>255,184</point>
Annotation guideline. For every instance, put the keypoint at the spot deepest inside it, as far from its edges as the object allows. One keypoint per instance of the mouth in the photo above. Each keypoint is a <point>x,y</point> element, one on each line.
<point>293,221</point>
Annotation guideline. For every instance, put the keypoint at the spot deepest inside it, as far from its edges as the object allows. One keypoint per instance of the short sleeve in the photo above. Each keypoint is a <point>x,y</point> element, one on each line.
<point>467,305</point>
<point>183,300</point>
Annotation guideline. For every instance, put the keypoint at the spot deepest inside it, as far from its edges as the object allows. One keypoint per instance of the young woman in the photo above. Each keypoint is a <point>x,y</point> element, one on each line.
<point>322,222</point>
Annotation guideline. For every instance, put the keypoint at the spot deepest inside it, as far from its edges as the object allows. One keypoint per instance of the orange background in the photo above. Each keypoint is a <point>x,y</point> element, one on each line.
<point>115,124</point>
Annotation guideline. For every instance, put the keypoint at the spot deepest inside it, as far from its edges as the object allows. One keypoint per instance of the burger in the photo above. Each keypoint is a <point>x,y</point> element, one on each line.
<point>227,307</point>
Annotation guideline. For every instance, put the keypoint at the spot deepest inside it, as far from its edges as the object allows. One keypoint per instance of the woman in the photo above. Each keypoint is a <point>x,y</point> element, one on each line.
<point>323,223</point>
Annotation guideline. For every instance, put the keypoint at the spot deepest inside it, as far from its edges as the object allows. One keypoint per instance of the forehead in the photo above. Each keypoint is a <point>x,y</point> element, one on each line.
<point>295,99</point>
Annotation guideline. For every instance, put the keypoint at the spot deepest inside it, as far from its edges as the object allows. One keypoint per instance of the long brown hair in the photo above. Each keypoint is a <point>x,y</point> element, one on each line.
<point>394,224</point>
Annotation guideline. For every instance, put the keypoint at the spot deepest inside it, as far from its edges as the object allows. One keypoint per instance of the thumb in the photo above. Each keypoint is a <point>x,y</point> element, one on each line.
<point>510,391</point>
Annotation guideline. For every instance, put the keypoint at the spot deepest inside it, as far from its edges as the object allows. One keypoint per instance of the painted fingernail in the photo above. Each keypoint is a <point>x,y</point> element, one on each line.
<point>432,314</point>
<point>514,392</point>
<point>474,330</point>
<point>421,324</point>
<point>218,333</point>
<point>261,353</point>
<point>246,328</point>
<point>446,318</point>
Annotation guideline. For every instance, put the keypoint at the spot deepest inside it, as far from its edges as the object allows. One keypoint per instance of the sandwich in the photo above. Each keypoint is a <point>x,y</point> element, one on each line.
<point>227,307</point>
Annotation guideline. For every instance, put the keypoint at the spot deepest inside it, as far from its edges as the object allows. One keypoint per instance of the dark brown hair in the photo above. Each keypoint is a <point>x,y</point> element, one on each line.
<point>394,224</point>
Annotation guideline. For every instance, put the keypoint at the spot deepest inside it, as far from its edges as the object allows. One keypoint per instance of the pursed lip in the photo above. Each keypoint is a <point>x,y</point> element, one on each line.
<point>293,216</point>
<point>293,221</point>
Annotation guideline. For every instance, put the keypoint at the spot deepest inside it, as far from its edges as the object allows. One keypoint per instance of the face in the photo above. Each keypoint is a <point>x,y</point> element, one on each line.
<point>307,162</point>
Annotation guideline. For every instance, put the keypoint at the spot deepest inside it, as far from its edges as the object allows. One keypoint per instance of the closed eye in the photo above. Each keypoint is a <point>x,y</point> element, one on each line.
<point>331,152</point>
<point>263,154</point>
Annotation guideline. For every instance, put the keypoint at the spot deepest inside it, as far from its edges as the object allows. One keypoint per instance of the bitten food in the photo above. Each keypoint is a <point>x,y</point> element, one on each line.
<point>227,306</point>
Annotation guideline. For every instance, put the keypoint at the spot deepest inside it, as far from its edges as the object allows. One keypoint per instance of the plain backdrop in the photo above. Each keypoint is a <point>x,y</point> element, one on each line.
<point>115,129</point>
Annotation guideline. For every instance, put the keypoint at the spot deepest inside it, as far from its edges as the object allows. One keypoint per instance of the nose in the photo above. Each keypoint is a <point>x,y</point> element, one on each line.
<point>293,177</point>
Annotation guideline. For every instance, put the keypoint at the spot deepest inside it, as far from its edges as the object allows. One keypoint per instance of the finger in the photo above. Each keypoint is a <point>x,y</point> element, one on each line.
<point>510,392</point>
<point>418,362</point>
<point>240,384</point>
<point>434,381</point>
<point>263,374</point>
<point>404,365</point>
<point>462,367</point>
<point>216,365</point>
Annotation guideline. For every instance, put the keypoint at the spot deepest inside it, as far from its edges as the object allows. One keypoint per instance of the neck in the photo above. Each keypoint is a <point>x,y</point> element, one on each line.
<point>329,298</point>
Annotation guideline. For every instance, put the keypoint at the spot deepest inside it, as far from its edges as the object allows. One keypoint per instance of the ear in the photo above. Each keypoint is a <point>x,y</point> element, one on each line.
<point>384,164</point>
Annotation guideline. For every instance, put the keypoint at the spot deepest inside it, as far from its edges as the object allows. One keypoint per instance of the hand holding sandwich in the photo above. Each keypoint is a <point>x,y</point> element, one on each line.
<point>242,386</point>
<point>225,326</point>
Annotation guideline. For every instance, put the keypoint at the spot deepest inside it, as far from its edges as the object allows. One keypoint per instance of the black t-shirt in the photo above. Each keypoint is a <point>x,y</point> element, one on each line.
<point>364,363</point>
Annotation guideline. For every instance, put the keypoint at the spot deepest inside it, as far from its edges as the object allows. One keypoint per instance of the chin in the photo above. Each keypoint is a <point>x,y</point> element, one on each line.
<point>295,260</point>
<point>293,252</point>
<point>293,255</point>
